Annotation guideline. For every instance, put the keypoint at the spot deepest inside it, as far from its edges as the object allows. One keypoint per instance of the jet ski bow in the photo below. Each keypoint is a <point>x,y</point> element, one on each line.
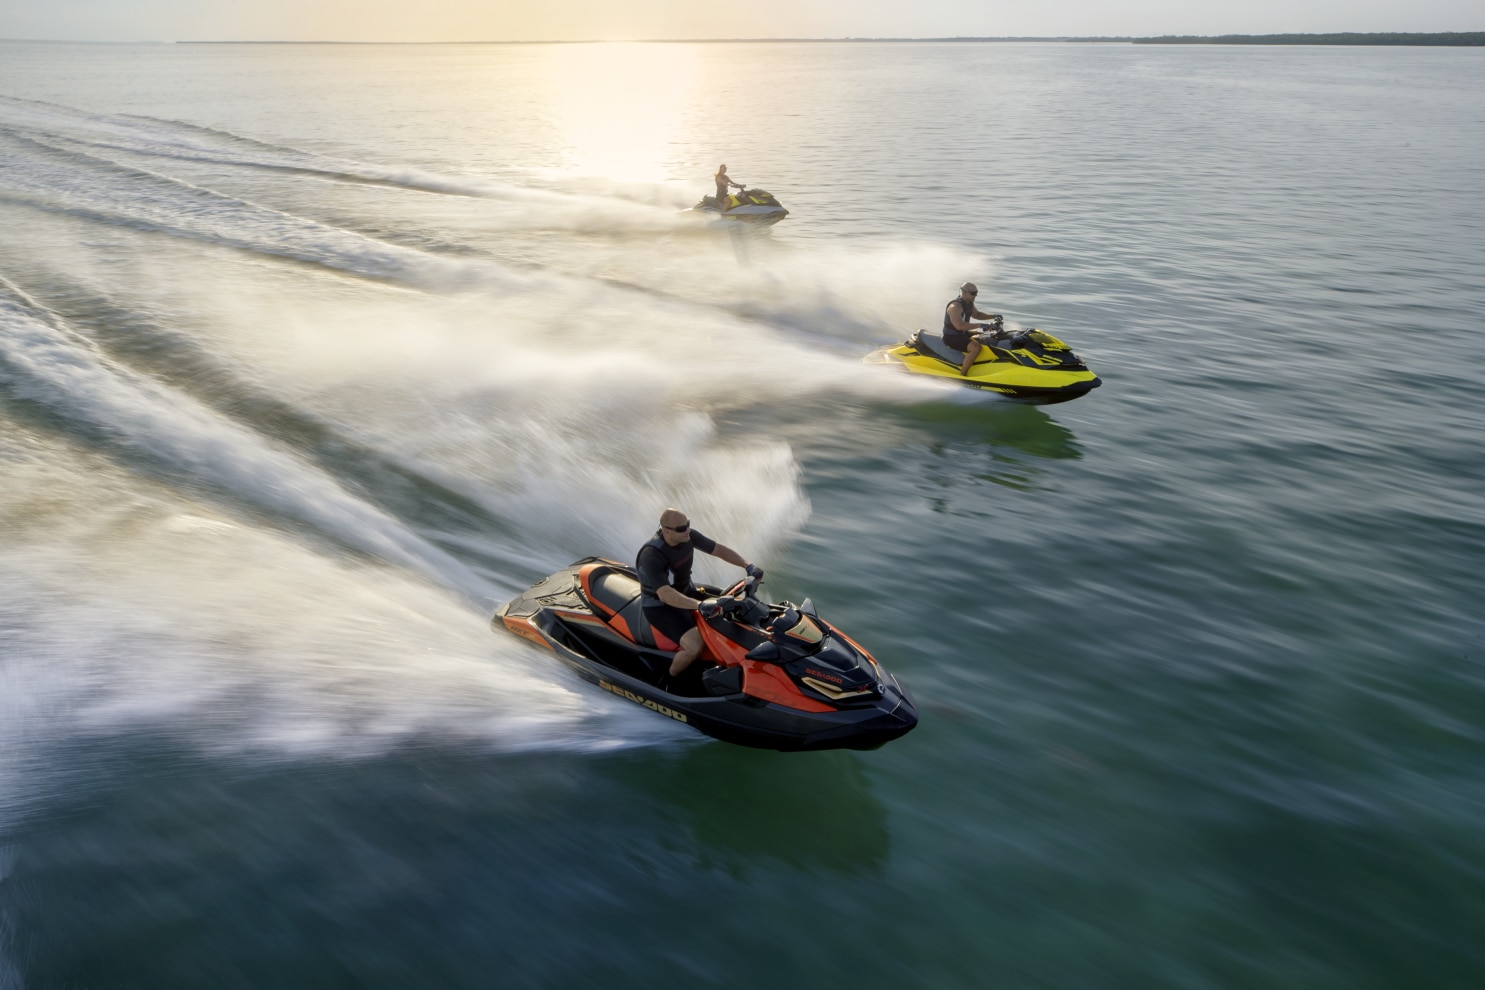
<point>1030,364</point>
<point>770,675</point>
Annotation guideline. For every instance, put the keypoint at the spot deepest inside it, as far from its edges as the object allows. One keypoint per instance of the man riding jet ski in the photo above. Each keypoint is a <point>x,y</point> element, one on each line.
<point>666,591</point>
<point>752,205</point>
<point>776,676</point>
<point>1030,364</point>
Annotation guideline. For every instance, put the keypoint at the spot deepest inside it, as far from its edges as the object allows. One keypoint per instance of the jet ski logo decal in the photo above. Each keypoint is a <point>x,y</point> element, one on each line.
<point>524,629</point>
<point>653,706</point>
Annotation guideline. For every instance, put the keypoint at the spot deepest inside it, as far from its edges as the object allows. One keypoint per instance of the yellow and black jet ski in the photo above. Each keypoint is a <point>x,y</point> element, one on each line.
<point>754,206</point>
<point>1028,364</point>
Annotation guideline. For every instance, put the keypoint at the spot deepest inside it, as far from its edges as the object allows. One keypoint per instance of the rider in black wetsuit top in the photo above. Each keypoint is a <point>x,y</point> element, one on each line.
<point>667,595</point>
<point>959,333</point>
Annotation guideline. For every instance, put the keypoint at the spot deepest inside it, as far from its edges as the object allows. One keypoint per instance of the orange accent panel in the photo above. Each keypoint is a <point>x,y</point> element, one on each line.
<point>622,627</point>
<point>768,682</point>
<point>761,680</point>
<point>585,575</point>
<point>664,643</point>
<point>526,630</point>
<point>718,647</point>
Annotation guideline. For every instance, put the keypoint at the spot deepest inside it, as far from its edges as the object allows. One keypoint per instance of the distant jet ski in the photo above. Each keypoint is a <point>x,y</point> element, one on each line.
<point>1030,364</point>
<point>752,205</point>
<point>778,677</point>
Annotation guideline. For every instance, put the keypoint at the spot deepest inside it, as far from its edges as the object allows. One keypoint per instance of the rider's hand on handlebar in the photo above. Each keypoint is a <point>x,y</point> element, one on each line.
<point>710,609</point>
<point>754,571</point>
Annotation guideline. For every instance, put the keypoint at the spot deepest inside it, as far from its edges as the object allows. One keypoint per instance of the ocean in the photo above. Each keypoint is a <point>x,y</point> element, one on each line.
<point>311,355</point>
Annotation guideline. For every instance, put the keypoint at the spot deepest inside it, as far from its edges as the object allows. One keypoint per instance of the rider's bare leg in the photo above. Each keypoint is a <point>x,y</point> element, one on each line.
<point>690,649</point>
<point>970,353</point>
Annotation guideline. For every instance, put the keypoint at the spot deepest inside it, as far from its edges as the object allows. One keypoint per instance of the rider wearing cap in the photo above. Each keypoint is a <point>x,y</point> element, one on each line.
<point>959,333</point>
<point>668,596</point>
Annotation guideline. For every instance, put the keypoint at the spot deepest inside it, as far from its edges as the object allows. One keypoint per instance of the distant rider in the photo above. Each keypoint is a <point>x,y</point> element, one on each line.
<point>959,333</point>
<point>723,181</point>
<point>669,597</point>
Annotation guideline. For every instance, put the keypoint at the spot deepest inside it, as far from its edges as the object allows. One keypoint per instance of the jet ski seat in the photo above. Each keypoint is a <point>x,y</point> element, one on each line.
<point>931,344</point>
<point>617,593</point>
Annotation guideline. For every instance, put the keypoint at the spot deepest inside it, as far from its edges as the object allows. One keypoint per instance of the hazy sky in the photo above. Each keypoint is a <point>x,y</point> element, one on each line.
<point>497,20</point>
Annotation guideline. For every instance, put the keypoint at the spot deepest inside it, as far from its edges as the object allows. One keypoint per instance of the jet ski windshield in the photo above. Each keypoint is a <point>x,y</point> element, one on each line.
<point>795,625</point>
<point>798,630</point>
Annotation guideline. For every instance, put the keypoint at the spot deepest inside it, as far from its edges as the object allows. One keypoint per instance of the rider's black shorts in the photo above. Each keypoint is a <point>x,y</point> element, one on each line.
<point>958,339</point>
<point>673,622</point>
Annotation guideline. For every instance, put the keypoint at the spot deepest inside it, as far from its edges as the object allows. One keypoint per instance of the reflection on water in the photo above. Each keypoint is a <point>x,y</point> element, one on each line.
<point>810,810</point>
<point>1020,427</point>
<point>988,444</point>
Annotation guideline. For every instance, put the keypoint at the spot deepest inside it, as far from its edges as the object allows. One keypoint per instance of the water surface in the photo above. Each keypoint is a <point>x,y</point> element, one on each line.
<point>309,355</point>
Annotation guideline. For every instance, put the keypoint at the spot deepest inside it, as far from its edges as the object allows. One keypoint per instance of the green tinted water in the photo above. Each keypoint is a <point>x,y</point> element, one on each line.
<point>310,355</point>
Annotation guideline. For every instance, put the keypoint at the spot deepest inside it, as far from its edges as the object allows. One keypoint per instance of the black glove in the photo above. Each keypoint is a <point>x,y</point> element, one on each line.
<point>754,571</point>
<point>710,609</point>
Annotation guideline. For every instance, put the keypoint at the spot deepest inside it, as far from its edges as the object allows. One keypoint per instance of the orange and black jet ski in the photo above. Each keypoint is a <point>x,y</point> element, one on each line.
<point>774,676</point>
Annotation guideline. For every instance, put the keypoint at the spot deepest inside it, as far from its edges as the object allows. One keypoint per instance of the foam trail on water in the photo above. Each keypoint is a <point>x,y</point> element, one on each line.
<point>127,607</point>
<point>106,191</point>
<point>43,363</point>
<point>150,137</point>
<point>490,378</point>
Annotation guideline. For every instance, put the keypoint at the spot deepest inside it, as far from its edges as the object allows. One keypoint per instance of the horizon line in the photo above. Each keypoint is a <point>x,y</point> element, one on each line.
<point>847,39</point>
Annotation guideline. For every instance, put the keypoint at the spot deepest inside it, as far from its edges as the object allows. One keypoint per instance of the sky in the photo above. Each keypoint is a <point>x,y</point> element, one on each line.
<point>619,20</point>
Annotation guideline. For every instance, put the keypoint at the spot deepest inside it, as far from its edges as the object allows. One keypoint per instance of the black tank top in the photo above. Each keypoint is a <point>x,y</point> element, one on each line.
<point>965,309</point>
<point>658,563</point>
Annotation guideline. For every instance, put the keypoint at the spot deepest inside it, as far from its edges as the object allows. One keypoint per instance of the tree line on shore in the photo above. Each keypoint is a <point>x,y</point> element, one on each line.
<point>1448,38</point>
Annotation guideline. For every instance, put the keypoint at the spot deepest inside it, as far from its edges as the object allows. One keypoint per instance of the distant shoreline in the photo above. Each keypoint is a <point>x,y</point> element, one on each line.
<point>1446,39</point>
<point>1449,39</point>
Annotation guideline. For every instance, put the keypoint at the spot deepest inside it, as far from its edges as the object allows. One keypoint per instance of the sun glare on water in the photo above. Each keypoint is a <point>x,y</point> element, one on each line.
<point>621,106</point>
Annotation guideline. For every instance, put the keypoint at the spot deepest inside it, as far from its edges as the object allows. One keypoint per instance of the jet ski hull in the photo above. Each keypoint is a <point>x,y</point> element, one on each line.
<point>1033,366</point>
<point>559,615</point>
<point>761,216</point>
<point>753,206</point>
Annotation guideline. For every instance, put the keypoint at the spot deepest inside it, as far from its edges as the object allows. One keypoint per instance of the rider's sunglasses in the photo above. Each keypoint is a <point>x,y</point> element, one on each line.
<point>974,292</point>
<point>683,527</point>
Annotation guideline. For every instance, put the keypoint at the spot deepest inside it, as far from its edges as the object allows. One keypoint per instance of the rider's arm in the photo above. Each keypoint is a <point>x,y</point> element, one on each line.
<point>708,545</point>
<point>730,555</point>
<point>956,317</point>
<point>674,598</point>
<point>654,573</point>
